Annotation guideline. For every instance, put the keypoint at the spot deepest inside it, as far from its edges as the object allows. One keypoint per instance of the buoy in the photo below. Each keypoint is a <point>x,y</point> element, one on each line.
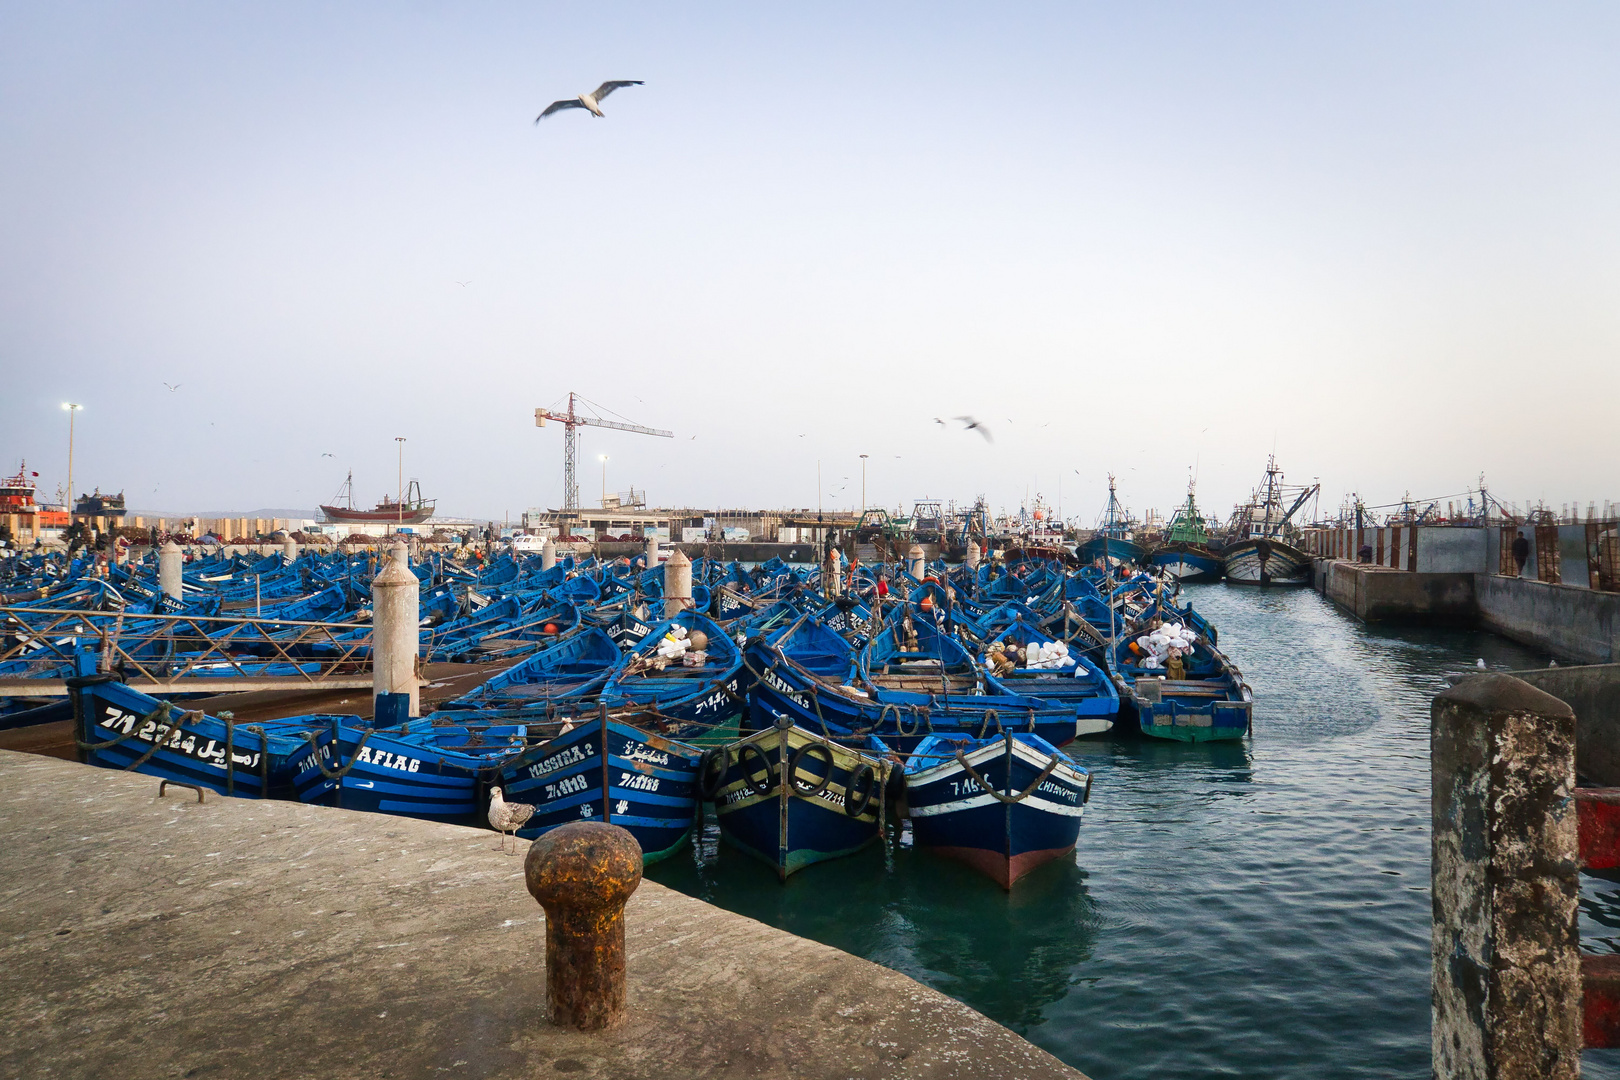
<point>698,640</point>
<point>550,628</point>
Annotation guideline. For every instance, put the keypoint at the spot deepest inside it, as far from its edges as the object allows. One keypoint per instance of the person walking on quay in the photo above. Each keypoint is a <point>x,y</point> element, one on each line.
<point>1521,551</point>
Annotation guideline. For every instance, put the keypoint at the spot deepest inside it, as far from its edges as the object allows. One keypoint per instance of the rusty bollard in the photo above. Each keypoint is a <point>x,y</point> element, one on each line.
<point>582,873</point>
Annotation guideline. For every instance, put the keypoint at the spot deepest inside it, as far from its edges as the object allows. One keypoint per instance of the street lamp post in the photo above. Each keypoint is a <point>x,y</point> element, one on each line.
<point>401,505</point>
<point>863,483</point>
<point>603,458</point>
<point>71,409</point>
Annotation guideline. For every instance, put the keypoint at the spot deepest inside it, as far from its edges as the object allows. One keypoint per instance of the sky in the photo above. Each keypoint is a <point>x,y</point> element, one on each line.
<point>1155,240</point>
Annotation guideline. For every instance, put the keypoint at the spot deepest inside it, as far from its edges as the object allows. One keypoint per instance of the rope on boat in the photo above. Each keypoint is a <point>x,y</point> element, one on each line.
<point>354,759</point>
<point>1051,763</point>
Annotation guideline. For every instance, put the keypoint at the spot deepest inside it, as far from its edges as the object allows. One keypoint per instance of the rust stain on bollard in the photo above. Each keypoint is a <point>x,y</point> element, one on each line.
<point>582,873</point>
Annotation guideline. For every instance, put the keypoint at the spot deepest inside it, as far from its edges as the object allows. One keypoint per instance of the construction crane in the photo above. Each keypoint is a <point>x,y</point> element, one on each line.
<point>571,420</point>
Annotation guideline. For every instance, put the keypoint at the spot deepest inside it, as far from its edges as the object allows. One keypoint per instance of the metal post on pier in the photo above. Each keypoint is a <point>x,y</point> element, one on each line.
<point>582,873</point>
<point>1506,980</point>
<point>677,583</point>
<point>396,629</point>
<point>171,561</point>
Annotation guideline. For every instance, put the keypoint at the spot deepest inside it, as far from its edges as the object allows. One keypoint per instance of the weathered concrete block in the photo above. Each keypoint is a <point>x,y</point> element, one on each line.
<point>1506,978</point>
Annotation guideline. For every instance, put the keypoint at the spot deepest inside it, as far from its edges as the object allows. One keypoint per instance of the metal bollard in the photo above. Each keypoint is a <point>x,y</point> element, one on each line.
<point>582,873</point>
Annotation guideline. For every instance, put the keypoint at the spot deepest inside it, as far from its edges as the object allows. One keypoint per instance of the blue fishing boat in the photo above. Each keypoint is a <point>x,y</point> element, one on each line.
<point>608,768</point>
<point>1210,701</point>
<point>1112,542</point>
<point>569,673</point>
<point>1069,678</point>
<point>418,769</point>
<point>121,728</point>
<point>1003,806</point>
<point>791,798</point>
<point>687,670</point>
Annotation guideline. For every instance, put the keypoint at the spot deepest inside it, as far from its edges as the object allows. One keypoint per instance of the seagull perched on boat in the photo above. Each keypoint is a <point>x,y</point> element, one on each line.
<point>591,101</point>
<point>507,817</point>
<point>1480,663</point>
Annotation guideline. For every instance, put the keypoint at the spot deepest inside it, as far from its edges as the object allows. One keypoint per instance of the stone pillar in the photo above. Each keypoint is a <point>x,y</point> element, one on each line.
<point>171,560</point>
<point>917,562</point>
<point>289,550</point>
<point>652,552</point>
<point>1507,977</point>
<point>677,583</point>
<point>548,554</point>
<point>582,873</point>
<point>395,629</point>
<point>973,555</point>
<point>832,575</point>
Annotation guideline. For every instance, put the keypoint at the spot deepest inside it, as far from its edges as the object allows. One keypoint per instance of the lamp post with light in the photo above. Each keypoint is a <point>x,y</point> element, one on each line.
<point>863,483</point>
<point>71,408</point>
<point>401,440</point>
<point>603,458</point>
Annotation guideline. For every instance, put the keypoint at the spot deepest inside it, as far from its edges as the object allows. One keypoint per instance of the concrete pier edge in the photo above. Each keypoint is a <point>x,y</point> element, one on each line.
<point>147,937</point>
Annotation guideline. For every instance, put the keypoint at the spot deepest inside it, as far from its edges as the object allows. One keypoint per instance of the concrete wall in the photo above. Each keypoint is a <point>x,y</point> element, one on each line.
<point>1380,594</point>
<point>1452,551</point>
<point>1567,620</point>
<point>1594,693</point>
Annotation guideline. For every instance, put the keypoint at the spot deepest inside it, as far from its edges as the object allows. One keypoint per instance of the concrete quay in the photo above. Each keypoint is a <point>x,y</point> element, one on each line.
<point>155,937</point>
<point>1570,621</point>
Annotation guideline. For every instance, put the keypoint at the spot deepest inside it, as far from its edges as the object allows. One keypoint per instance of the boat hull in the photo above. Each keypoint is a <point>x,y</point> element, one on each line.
<point>954,816</point>
<point>1266,562</point>
<point>1187,562</point>
<point>647,785</point>
<point>787,826</point>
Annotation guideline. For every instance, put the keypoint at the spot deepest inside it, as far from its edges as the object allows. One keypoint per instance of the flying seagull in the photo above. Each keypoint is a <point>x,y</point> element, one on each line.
<point>464,284</point>
<point>591,101</point>
<point>970,424</point>
<point>173,388</point>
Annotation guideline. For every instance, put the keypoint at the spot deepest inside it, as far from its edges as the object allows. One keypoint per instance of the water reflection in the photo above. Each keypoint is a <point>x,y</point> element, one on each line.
<point>1007,955</point>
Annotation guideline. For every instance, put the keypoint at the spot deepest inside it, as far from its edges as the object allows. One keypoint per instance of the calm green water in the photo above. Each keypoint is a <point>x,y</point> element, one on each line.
<point>1257,909</point>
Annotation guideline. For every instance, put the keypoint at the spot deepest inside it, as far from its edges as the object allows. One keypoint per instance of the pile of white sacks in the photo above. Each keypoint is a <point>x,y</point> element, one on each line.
<point>1052,654</point>
<point>676,645</point>
<point>1159,643</point>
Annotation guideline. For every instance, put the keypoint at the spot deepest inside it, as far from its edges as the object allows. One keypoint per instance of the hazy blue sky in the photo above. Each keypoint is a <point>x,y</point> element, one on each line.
<point>1129,237</point>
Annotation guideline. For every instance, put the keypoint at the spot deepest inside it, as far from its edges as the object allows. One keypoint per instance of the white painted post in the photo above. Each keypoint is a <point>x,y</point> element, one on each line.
<point>289,550</point>
<point>973,555</point>
<point>832,575</point>
<point>170,561</point>
<point>677,584</point>
<point>652,551</point>
<point>917,561</point>
<point>396,629</point>
<point>548,554</point>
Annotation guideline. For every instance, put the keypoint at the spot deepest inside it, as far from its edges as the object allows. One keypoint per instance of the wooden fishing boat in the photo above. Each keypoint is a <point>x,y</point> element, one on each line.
<point>1113,541</point>
<point>562,676</point>
<point>612,769</point>
<point>1003,806</point>
<point>412,510</point>
<point>121,728</point>
<point>1257,551</point>
<point>418,769</point>
<point>711,695</point>
<point>1211,702</point>
<point>1185,553</point>
<point>1078,684</point>
<point>791,798</point>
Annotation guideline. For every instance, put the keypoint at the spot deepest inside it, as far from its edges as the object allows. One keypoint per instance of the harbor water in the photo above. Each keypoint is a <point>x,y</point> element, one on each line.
<point>1255,909</point>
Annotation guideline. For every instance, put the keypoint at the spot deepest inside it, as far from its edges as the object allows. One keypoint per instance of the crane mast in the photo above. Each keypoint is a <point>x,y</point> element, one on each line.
<point>571,420</point>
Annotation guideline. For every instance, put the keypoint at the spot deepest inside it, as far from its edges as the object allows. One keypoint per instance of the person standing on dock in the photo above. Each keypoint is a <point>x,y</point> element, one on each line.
<point>1521,551</point>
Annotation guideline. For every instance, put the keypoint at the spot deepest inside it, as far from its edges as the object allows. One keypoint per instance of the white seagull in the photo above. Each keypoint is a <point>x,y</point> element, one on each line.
<point>591,101</point>
<point>508,817</point>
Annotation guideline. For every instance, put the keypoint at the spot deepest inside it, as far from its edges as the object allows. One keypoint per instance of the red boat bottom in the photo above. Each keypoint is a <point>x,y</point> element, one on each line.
<point>998,867</point>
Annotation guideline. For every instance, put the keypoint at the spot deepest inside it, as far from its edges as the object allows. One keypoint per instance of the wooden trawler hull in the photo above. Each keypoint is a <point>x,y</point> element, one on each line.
<point>411,515</point>
<point>1266,562</point>
<point>1187,562</point>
